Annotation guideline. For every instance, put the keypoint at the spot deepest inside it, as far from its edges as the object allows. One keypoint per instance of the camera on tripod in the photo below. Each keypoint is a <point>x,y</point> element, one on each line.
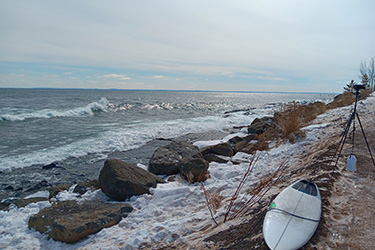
<point>352,160</point>
<point>357,87</point>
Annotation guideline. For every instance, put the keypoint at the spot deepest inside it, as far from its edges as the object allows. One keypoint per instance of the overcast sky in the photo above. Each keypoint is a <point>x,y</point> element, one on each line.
<point>264,45</point>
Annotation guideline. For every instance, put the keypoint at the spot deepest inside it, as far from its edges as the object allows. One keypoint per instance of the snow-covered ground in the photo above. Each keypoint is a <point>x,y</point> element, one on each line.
<point>175,209</point>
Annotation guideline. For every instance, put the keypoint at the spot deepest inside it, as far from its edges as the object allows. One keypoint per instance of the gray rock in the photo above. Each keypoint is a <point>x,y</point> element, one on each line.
<point>39,186</point>
<point>54,190</point>
<point>52,166</point>
<point>69,221</point>
<point>194,170</point>
<point>19,202</point>
<point>240,145</point>
<point>84,186</point>
<point>233,141</point>
<point>168,160</point>
<point>259,126</point>
<point>24,202</point>
<point>215,158</point>
<point>220,149</point>
<point>120,180</point>
<point>250,137</point>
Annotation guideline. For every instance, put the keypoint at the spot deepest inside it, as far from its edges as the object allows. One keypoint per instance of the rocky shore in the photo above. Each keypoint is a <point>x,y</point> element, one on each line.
<point>21,182</point>
<point>124,178</point>
<point>347,220</point>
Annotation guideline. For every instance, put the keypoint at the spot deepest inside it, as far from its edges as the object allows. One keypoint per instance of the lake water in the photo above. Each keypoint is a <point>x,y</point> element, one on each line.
<point>81,128</point>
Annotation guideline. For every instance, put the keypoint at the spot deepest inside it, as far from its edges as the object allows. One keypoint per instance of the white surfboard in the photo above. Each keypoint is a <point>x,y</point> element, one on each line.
<point>293,216</point>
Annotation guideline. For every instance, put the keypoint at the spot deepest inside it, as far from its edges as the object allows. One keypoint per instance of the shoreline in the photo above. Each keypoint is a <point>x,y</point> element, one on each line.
<point>21,182</point>
<point>347,220</point>
<point>309,158</point>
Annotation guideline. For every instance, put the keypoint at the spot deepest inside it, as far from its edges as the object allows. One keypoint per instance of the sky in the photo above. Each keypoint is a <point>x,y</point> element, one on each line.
<point>268,45</point>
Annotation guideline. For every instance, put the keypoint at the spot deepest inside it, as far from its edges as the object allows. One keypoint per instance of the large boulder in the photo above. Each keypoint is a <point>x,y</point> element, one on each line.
<point>70,221</point>
<point>194,170</point>
<point>261,125</point>
<point>120,180</point>
<point>168,160</point>
<point>220,149</point>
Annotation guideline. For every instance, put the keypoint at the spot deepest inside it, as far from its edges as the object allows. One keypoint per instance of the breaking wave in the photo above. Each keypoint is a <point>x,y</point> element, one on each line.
<point>89,110</point>
<point>128,137</point>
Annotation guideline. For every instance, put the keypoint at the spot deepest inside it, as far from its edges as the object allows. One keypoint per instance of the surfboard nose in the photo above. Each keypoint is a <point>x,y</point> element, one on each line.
<point>293,216</point>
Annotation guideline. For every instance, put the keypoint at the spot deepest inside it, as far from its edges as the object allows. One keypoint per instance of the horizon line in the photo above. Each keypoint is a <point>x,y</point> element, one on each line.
<point>176,90</point>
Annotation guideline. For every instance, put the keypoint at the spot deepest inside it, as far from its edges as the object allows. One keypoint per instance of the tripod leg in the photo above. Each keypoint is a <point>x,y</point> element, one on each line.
<point>364,136</point>
<point>343,139</point>
<point>344,134</point>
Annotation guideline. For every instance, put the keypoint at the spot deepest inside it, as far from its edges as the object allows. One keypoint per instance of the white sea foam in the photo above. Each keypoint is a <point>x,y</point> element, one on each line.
<point>120,137</point>
<point>129,137</point>
<point>163,105</point>
<point>88,110</point>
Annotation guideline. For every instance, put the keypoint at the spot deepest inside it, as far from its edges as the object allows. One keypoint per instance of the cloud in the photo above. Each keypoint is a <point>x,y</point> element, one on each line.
<point>221,39</point>
<point>271,78</point>
<point>229,74</point>
<point>117,76</point>
<point>67,73</point>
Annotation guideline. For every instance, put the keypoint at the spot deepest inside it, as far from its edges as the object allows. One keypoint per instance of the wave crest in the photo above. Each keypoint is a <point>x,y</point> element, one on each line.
<point>89,110</point>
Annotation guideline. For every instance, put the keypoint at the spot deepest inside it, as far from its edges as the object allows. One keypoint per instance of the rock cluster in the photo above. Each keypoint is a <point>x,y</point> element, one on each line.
<point>179,158</point>
<point>223,149</point>
<point>261,125</point>
<point>259,131</point>
<point>120,180</point>
<point>70,221</point>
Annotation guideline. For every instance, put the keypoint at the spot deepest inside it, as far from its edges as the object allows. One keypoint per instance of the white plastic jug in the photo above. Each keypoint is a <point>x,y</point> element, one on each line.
<point>351,163</point>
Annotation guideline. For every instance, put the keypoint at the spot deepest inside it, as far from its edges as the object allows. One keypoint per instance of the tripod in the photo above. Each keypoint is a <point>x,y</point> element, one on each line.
<point>345,133</point>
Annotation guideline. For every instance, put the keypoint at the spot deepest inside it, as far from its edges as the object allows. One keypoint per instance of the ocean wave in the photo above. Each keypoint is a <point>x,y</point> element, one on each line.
<point>89,110</point>
<point>128,137</point>
<point>166,106</point>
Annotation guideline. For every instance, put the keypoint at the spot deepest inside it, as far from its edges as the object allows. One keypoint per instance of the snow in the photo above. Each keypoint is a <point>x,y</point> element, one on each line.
<point>316,126</point>
<point>202,144</point>
<point>39,194</point>
<point>173,210</point>
<point>13,227</point>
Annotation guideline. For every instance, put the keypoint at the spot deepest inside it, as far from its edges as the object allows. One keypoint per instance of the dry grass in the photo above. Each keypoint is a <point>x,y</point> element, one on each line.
<point>258,192</point>
<point>288,118</point>
<point>289,123</point>
<point>213,200</point>
<point>262,143</point>
<point>342,100</point>
<point>293,116</point>
<point>238,208</point>
<point>240,185</point>
<point>365,93</point>
<point>191,178</point>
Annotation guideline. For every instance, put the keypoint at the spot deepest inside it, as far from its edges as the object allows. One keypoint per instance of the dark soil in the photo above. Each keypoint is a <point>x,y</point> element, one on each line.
<point>348,198</point>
